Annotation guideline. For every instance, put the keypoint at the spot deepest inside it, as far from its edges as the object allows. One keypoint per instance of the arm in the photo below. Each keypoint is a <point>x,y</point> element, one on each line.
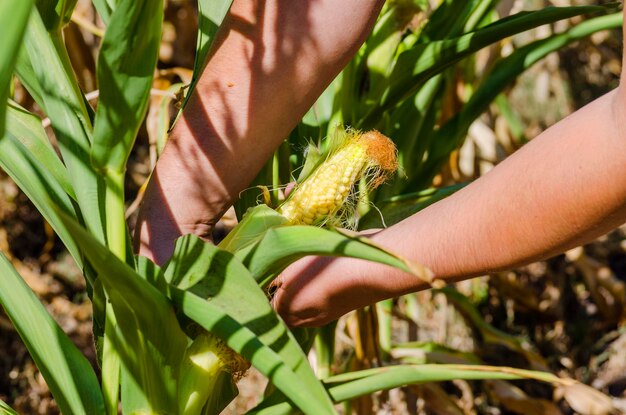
<point>564,188</point>
<point>273,59</point>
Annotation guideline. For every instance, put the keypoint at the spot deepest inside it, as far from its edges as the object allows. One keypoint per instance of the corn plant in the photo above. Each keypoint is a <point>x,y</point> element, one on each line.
<point>175,339</point>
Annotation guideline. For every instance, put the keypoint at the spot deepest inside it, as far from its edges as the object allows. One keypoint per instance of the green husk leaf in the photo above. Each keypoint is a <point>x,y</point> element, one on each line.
<point>252,227</point>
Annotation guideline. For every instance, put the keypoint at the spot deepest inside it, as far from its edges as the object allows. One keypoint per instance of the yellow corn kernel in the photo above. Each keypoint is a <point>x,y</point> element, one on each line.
<point>323,194</point>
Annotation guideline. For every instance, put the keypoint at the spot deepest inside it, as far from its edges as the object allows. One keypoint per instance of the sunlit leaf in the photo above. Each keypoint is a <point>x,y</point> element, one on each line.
<point>26,156</point>
<point>13,20</point>
<point>214,289</point>
<point>211,13</point>
<point>425,60</point>
<point>55,13</point>
<point>452,133</point>
<point>6,409</point>
<point>58,89</point>
<point>67,372</point>
<point>148,337</point>
<point>281,246</point>
<point>126,65</point>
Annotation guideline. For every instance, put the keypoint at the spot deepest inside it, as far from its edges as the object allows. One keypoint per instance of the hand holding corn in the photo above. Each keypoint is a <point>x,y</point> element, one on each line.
<point>564,188</point>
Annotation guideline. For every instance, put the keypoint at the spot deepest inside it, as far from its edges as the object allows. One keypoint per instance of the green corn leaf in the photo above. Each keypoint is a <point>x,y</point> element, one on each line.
<point>28,129</point>
<point>381,48</point>
<point>104,9</point>
<point>27,158</point>
<point>442,21</point>
<point>452,134</point>
<point>214,289</point>
<point>354,384</point>
<point>55,13</point>
<point>148,337</point>
<point>126,64</point>
<point>512,118</point>
<point>384,310</point>
<point>479,13</point>
<point>13,20</point>
<point>364,382</point>
<point>6,409</point>
<point>67,372</point>
<point>315,121</point>
<point>55,84</point>
<point>281,246</point>
<point>28,78</point>
<point>424,60</point>
<point>411,126</point>
<point>490,334</point>
<point>251,228</point>
<point>211,13</point>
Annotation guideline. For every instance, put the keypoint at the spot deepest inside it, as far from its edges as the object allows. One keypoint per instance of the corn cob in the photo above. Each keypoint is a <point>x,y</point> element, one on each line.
<point>327,192</point>
<point>207,363</point>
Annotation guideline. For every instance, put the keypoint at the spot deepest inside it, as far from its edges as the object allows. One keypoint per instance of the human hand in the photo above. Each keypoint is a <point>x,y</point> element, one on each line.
<point>314,290</point>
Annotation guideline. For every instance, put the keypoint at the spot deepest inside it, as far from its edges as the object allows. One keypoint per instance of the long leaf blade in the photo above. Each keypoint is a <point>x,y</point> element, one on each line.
<point>33,166</point>
<point>354,384</point>
<point>503,73</point>
<point>418,64</point>
<point>213,288</point>
<point>126,64</point>
<point>283,245</point>
<point>13,21</point>
<point>28,129</point>
<point>148,337</point>
<point>67,372</point>
<point>211,13</point>
<point>56,86</point>
<point>6,409</point>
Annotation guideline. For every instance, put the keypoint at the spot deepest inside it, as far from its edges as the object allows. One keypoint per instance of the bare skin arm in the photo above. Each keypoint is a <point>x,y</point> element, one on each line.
<point>274,58</point>
<point>563,189</point>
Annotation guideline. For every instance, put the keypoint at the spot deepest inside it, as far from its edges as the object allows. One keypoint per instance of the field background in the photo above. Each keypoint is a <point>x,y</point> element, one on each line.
<point>566,314</point>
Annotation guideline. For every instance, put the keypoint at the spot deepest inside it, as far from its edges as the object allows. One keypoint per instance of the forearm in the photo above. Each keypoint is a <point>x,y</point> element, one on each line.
<point>564,188</point>
<point>274,58</point>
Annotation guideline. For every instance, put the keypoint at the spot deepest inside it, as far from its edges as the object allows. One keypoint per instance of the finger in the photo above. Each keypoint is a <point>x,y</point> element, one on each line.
<point>273,291</point>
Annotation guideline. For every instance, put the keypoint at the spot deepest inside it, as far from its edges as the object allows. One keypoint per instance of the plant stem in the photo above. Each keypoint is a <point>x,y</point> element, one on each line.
<point>110,364</point>
<point>325,350</point>
<point>115,213</point>
<point>116,242</point>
